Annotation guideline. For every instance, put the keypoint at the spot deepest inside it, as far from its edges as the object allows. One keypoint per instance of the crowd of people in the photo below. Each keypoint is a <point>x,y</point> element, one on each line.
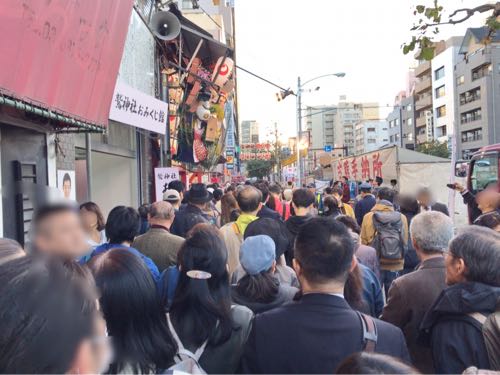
<point>256,278</point>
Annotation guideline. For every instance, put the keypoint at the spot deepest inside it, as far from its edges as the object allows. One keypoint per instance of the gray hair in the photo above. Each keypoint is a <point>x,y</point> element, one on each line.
<point>162,210</point>
<point>431,231</point>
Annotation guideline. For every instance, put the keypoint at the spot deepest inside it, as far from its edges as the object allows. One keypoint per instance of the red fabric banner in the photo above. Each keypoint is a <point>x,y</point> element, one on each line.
<point>63,54</point>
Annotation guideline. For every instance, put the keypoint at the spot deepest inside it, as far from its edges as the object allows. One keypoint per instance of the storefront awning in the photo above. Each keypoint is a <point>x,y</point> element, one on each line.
<point>61,58</point>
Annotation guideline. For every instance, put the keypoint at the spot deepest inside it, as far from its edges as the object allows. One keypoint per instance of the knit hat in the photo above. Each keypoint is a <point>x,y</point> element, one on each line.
<point>257,254</point>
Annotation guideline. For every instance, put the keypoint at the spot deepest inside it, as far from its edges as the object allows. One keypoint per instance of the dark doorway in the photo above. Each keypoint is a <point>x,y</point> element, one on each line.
<point>24,158</point>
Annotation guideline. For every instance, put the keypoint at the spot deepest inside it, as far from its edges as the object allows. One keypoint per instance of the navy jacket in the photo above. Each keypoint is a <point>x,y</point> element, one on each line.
<point>364,206</point>
<point>267,212</point>
<point>186,218</point>
<point>312,336</point>
<point>147,261</point>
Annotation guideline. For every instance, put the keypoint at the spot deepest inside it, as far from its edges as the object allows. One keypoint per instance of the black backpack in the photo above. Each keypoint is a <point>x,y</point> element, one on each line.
<point>388,239</point>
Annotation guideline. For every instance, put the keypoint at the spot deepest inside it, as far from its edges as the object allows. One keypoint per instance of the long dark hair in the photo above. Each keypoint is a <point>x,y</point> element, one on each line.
<point>353,290</point>
<point>262,287</point>
<point>201,308</point>
<point>93,207</point>
<point>133,313</point>
<point>333,206</point>
<point>228,205</point>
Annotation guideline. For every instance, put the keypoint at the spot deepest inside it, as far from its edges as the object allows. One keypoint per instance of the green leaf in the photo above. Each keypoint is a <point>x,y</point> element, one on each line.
<point>427,53</point>
<point>420,8</point>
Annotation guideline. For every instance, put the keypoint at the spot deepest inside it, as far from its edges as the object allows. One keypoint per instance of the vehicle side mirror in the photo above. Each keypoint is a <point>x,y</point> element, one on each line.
<point>461,168</point>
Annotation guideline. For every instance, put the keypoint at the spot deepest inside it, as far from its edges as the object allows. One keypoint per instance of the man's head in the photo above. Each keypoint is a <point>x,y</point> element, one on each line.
<point>173,197</point>
<point>365,188</point>
<point>218,193</point>
<point>490,220</point>
<point>379,181</point>
<point>337,192</point>
<point>424,197</point>
<point>328,190</point>
<point>275,190</point>
<point>346,179</point>
<point>264,189</point>
<point>67,186</point>
<point>58,230</point>
<point>302,201</point>
<point>324,253</point>
<point>199,195</point>
<point>394,182</point>
<point>49,308</point>
<point>386,194</point>
<point>179,186</point>
<point>249,199</point>
<point>288,194</point>
<point>311,187</point>
<point>488,200</point>
<point>162,213</point>
<point>431,231</point>
<point>474,256</point>
<point>122,225</point>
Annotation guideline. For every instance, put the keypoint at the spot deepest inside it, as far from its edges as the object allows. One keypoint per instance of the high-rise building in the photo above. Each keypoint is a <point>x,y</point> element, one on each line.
<point>370,135</point>
<point>249,131</point>
<point>347,116</point>
<point>443,88</point>
<point>477,79</point>
<point>408,123</point>
<point>423,103</point>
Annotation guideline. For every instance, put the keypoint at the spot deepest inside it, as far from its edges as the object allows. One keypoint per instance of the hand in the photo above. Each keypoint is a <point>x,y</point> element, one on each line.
<point>459,187</point>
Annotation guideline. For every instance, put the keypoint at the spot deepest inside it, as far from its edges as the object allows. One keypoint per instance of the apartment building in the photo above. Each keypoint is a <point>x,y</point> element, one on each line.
<point>477,79</point>
<point>347,116</point>
<point>443,87</point>
<point>423,102</point>
<point>249,131</point>
<point>370,135</point>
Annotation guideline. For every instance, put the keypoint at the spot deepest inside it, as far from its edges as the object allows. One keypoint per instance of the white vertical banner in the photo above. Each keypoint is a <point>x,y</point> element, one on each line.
<point>163,176</point>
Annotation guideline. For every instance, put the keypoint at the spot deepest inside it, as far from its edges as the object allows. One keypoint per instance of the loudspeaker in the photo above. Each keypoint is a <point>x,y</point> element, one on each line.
<point>165,25</point>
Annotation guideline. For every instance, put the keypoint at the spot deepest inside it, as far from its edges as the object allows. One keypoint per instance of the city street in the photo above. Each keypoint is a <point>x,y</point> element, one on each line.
<point>249,186</point>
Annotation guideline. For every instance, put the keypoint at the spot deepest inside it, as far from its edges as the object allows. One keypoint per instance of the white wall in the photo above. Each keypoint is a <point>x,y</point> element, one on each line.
<point>448,59</point>
<point>114,181</point>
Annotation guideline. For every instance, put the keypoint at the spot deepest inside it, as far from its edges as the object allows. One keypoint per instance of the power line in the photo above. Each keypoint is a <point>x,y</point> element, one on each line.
<point>361,108</point>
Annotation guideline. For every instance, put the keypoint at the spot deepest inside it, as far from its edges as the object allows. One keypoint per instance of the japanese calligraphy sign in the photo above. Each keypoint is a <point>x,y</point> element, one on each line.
<point>362,167</point>
<point>163,176</point>
<point>135,108</point>
<point>255,151</point>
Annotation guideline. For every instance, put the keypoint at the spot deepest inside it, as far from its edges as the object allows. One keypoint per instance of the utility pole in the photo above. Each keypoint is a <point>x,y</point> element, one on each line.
<point>299,132</point>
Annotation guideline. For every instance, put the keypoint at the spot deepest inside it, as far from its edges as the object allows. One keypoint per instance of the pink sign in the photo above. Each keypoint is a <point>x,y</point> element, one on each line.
<point>63,54</point>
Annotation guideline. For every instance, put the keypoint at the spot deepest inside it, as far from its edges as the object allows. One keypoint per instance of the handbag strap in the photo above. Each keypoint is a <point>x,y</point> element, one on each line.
<point>181,349</point>
<point>369,332</point>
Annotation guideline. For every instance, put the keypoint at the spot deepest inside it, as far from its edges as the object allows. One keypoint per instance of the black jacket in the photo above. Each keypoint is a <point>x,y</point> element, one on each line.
<point>267,212</point>
<point>293,225</point>
<point>285,295</point>
<point>186,218</point>
<point>455,338</point>
<point>312,336</point>
<point>472,208</point>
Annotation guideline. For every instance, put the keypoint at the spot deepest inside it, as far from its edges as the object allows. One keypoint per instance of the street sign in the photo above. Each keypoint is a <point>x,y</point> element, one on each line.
<point>328,148</point>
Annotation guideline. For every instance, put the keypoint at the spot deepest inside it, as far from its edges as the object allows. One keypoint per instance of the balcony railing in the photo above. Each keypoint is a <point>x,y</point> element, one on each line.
<point>424,102</point>
<point>422,68</point>
<point>423,85</point>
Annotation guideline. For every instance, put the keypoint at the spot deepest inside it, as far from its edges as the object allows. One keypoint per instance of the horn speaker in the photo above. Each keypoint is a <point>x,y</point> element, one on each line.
<point>165,25</point>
